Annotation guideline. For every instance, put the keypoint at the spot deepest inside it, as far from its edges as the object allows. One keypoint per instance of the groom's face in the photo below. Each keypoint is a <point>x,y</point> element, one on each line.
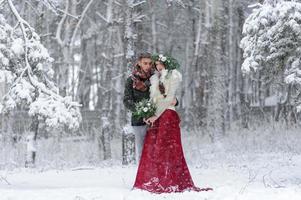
<point>145,64</point>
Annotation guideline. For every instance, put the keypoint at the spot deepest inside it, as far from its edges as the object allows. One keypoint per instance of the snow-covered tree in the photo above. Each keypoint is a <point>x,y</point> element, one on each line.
<point>272,44</point>
<point>27,65</point>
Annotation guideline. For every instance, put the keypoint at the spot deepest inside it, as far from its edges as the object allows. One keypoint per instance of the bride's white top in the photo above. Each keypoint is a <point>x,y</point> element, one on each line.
<point>171,83</point>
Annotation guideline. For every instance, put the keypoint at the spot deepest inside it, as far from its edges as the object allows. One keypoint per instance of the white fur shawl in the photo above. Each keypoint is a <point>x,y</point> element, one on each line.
<point>171,81</point>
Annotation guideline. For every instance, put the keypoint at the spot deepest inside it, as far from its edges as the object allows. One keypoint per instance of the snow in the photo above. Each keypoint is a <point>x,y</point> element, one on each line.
<point>55,112</point>
<point>271,33</point>
<point>128,129</point>
<point>269,101</point>
<point>24,90</point>
<point>17,46</point>
<point>271,41</point>
<point>4,61</point>
<point>32,86</point>
<point>253,164</point>
<point>31,144</point>
<point>2,75</point>
<point>268,176</point>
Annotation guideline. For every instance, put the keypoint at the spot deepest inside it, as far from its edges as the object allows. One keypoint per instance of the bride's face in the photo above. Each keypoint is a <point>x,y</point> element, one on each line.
<point>159,66</point>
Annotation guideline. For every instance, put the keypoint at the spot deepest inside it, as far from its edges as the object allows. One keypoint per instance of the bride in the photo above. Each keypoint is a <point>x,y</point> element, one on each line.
<point>162,168</point>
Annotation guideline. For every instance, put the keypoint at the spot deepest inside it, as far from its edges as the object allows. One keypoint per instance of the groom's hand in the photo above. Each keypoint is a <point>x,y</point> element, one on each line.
<point>140,85</point>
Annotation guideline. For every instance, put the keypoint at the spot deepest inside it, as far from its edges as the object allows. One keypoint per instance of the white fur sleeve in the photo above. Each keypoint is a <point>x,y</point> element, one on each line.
<point>174,82</point>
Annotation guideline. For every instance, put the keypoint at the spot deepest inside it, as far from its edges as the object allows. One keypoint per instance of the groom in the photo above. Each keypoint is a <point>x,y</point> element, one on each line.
<point>136,89</point>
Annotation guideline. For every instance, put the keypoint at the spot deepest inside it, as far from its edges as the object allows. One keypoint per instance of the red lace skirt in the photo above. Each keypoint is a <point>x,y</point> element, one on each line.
<point>162,168</point>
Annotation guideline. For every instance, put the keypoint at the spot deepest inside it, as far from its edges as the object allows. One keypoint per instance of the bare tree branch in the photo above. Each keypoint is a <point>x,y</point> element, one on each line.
<point>79,23</point>
<point>61,23</point>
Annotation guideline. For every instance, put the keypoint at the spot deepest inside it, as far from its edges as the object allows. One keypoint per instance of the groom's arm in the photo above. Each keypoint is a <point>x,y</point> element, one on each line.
<point>128,98</point>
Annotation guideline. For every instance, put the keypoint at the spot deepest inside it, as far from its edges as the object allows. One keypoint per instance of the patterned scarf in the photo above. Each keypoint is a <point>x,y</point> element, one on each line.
<point>139,77</point>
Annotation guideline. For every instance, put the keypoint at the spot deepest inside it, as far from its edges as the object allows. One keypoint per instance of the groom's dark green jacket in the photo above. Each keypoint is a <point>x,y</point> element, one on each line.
<point>132,96</point>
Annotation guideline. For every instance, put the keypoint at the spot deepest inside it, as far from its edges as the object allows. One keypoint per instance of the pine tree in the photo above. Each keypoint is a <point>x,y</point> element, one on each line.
<point>271,44</point>
<point>28,68</point>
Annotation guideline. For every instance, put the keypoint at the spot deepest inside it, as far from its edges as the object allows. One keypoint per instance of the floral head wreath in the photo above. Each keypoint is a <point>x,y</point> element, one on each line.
<point>169,62</point>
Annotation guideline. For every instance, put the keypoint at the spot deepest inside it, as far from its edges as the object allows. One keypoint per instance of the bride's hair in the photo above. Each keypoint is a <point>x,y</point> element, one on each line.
<point>161,85</point>
<point>162,89</point>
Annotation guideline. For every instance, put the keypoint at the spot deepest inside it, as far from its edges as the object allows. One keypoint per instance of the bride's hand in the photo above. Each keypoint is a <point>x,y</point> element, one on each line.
<point>151,120</point>
<point>145,121</point>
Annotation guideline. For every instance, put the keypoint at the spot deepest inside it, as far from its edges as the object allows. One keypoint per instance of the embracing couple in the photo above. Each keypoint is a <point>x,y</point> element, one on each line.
<point>162,166</point>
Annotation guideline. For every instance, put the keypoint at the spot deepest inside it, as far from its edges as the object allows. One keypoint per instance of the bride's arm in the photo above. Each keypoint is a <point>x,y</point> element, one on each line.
<point>174,83</point>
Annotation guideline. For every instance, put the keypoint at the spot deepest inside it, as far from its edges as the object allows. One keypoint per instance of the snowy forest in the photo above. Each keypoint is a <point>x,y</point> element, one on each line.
<point>63,67</point>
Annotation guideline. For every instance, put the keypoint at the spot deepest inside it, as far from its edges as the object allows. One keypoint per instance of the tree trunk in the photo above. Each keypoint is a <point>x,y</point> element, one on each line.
<point>128,146</point>
<point>128,143</point>
<point>31,143</point>
<point>216,109</point>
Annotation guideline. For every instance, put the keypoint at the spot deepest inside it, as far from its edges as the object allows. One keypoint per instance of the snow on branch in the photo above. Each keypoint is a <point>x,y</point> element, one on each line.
<point>132,5</point>
<point>1,2</point>
<point>28,69</point>
<point>255,5</point>
<point>138,17</point>
<point>102,17</point>
<point>272,40</point>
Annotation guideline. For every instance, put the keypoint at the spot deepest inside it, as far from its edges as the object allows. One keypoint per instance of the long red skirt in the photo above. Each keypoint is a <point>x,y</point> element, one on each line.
<point>162,168</point>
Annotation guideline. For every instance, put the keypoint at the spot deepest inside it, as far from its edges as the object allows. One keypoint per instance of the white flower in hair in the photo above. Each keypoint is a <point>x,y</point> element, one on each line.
<point>162,58</point>
<point>145,109</point>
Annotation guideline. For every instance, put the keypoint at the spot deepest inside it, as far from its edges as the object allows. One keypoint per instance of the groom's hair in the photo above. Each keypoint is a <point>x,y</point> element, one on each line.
<point>144,55</point>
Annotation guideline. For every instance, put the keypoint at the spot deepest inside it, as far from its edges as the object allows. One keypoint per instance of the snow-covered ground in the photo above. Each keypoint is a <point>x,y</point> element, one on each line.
<point>259,165</point>
<point>261,176</point>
